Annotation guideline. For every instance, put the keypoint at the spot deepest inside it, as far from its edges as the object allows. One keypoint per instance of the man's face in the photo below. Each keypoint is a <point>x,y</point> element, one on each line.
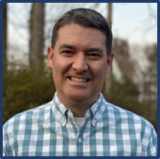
<point>79,62</point>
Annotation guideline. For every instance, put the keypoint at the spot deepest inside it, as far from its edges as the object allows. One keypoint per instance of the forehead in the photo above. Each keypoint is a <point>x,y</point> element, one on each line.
<point>75,33</point>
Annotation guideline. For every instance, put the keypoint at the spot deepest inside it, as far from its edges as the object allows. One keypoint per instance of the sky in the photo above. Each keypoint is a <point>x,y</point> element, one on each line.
<point>130,21</point>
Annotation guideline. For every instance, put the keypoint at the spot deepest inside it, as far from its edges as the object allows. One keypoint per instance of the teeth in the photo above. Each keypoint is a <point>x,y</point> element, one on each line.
<point>78,79</point>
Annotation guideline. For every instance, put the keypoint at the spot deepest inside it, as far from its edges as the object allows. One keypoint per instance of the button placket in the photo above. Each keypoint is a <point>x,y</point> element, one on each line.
<point>79,140</point>
<point>93,122</point>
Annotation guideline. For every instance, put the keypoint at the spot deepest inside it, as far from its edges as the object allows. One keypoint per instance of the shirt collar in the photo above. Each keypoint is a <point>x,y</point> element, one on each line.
<point>59,110</point>
<point>97,110</point>
<point>94,112</point>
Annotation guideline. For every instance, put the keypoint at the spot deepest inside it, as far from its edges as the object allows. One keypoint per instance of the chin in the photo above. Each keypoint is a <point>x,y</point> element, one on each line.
<point>78,96</point>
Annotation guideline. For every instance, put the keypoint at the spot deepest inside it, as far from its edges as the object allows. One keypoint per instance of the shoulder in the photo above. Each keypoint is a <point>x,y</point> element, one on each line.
<point>26,118</point>
<point>130,119</point>
<point>133,125</point>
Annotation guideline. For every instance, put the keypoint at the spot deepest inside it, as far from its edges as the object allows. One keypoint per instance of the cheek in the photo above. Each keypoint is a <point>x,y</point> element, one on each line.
<point>56,70</point>
<point>100,71</point>
<point>60,67</point>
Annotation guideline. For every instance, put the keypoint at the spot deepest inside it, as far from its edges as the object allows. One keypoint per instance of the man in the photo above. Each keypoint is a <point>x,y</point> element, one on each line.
<point>78,121</point>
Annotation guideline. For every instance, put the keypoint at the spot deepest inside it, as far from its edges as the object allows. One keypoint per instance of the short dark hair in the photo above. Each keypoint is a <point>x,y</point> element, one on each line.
<point>87,18</point>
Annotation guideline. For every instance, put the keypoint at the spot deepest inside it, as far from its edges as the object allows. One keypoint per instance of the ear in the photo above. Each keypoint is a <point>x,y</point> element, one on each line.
<point>109,62</point>
<point>50,56</point>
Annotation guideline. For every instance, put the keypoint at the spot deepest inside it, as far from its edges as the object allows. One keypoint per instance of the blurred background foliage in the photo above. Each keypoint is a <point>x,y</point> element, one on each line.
<point>29,83</point>
<point>25,88</point>
<point>125,95</point>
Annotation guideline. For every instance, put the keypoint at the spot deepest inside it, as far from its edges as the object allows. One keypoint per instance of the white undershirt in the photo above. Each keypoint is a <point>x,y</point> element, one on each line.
<point>79,121</point>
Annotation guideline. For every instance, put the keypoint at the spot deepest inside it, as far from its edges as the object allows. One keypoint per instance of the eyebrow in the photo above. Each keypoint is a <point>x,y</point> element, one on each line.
<point>66,46</point>
<point>99,50</point>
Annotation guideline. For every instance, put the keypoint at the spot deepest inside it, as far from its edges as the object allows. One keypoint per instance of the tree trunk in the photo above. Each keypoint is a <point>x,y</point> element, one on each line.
<point>109,19</point>
<point>108,80</point>
<point>36,36</point>
<point>4,35</point>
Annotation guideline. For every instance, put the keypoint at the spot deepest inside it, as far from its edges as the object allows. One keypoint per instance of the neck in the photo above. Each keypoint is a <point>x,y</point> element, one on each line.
<point>78,108</point>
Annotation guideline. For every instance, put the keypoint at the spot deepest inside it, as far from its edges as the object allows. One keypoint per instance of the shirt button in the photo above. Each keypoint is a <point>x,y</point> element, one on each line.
<point>79,140</point>
<point>69,114</point>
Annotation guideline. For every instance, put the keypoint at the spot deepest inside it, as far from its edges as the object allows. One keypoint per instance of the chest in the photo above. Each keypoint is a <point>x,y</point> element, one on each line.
<point>103,139</point>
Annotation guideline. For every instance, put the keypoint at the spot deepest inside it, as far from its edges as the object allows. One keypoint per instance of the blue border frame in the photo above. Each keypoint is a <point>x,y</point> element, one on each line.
<point>71,1</point>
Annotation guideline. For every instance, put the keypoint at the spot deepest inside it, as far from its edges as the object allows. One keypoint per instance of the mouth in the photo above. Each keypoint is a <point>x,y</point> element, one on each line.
<point>78,79</point>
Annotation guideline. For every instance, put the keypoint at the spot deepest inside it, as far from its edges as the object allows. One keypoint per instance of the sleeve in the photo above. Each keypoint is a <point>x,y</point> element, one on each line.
<point>152,145</point>
<point>4,144</point>
<point>6,149</point>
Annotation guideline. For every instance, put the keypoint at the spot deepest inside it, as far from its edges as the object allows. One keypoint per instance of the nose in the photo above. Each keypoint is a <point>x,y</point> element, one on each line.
<point>79,64</point>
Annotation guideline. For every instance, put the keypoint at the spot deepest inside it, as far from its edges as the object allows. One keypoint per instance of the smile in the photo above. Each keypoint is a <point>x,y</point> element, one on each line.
<point>78,79</point>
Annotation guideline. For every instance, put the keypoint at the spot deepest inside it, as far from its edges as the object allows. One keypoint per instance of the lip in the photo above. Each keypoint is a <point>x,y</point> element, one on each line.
<point>78,83</point>
<point>78,78</point>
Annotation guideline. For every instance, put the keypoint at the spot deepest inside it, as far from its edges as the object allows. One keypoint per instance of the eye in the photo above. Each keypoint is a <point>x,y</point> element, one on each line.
<point>67,53</point>
<point>94,54</point>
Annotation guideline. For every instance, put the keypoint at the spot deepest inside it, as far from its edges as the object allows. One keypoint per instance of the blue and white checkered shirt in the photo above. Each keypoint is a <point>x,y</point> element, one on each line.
<point>50,130</point>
